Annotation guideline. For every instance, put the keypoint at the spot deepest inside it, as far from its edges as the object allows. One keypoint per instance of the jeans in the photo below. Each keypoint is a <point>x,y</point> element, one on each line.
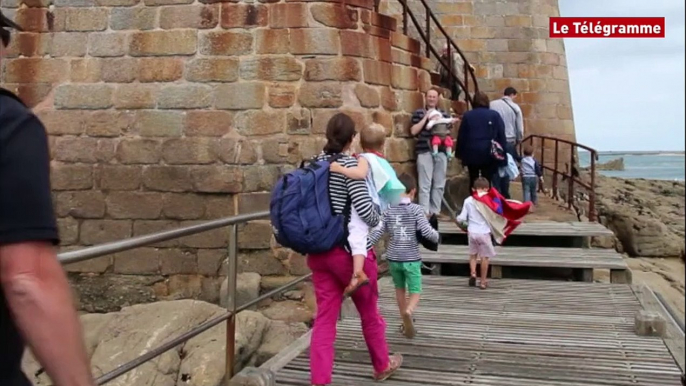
<point>529,185</point>
<point>485,171</point>
<point>331,273</point>
<point>431,175</point>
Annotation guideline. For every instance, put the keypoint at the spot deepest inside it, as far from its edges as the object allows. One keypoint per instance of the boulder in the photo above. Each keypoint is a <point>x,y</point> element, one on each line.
<point>288,311</point>
<point>116,338</point>
<point>614,165</point>
<point>277,337</point>
<point>247,288</point>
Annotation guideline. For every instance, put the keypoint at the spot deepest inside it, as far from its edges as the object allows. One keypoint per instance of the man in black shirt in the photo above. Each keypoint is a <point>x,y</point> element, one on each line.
<point>36,302</point>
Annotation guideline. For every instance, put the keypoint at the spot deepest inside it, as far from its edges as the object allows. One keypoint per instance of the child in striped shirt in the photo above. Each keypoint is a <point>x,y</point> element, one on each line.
<point>401,222</point>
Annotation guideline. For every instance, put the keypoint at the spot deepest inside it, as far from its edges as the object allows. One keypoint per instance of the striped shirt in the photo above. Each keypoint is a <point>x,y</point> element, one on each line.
<point>343,190</point>
<point>423,144</point>
<point>401,222</point>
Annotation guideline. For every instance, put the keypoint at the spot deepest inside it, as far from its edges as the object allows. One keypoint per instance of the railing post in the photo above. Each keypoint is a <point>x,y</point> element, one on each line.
<point>232,278</point>
<point>542,157</point>
<point>466,81</point>
<point>591,194</point>
<point>557,160</point>
<point>428,32</point>
<point>570,188</point>
<point>405,11</point>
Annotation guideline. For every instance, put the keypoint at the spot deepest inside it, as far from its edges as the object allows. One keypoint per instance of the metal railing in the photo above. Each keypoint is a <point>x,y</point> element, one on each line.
<point>571,174</point>
<point>425,34</point>
<point>232,276</point>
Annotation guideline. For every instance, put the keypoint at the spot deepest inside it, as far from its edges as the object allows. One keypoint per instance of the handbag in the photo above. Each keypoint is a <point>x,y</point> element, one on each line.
<point>426,243</point>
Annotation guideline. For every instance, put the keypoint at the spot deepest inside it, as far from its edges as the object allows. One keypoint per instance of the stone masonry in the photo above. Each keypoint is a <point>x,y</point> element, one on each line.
<point>165,113</point>
<point>508,44</point>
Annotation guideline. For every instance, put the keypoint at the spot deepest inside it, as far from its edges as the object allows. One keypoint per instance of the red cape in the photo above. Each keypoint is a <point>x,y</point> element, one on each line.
<point>510,210</point>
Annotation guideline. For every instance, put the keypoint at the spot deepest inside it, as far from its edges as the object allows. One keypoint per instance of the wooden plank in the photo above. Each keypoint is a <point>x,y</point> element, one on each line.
<point>544,228</point>
<point>516,333</point>
<point>533,257</point>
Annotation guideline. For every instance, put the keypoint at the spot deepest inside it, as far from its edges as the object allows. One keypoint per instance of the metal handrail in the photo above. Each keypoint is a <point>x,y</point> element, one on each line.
<point>568,174</point>
<point>232,277</point>
<point>426,37</point>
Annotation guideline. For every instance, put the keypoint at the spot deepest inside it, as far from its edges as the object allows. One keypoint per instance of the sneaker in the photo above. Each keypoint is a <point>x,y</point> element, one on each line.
<point>394,363</point>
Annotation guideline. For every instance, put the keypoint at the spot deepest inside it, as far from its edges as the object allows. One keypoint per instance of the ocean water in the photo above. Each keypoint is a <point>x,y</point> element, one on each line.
<point>656,166</point>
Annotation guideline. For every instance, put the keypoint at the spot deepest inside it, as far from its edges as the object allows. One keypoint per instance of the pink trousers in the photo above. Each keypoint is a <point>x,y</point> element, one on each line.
<point>331,273</point>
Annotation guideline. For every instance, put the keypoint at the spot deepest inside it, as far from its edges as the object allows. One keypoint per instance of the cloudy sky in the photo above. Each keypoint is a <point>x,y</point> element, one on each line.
<point>628,94</point>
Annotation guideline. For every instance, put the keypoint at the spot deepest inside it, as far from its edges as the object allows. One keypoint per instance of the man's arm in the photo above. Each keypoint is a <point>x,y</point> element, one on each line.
<point>519,128</point>
<point>418,122</point>
<point>40,301</point>
<point>32,280</point>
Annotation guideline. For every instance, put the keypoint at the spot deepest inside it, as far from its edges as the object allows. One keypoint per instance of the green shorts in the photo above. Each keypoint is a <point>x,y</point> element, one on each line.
<point>407,275</point>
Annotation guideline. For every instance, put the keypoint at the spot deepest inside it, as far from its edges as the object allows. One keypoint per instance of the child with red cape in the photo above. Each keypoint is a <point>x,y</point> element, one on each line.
<point>503,215</point>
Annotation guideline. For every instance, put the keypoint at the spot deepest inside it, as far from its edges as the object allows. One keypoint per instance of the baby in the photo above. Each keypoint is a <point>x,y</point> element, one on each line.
<point>440,131</point>
<point>384,188</point>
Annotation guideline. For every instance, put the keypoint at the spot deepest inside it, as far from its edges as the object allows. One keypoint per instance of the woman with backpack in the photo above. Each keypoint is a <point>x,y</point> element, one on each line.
<point>332,270</point>
<point>481,140</point>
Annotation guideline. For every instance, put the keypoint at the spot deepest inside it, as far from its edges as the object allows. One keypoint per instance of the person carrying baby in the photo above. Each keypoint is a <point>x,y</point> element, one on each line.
<point>384,188</point>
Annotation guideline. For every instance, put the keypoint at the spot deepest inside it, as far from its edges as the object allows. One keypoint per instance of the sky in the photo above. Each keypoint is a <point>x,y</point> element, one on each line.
<point>628,94</point>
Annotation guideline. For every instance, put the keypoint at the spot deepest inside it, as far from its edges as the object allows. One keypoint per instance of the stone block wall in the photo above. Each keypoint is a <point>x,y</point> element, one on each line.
<point>508,44</point>
<point>165,113</point>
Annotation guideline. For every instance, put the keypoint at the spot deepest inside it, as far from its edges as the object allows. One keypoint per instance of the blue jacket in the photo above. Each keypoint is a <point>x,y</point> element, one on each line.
<point>478,127</point>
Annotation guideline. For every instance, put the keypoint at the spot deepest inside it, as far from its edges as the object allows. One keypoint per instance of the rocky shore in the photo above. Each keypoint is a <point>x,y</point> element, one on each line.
<point>647,216</point>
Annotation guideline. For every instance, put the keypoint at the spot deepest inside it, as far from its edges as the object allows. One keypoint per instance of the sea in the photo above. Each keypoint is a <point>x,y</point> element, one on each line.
<point>648,165</point>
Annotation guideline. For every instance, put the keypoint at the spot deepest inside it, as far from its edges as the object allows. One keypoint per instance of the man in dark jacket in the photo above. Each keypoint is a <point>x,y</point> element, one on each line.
<point>36,302</point>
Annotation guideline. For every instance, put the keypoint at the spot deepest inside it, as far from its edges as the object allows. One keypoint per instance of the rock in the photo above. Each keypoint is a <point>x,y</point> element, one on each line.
<point>115,338</point>
<point>646,216</point>
<point>111,292</point>
<point>203,364</point>
<point>247,288</point>
<point>615,164</point>
<point>288,311</point>
<point>294,295</point>
<point>277,337</point>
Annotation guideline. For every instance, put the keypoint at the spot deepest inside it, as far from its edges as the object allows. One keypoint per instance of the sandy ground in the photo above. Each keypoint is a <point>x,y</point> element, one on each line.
<point>664,276</point>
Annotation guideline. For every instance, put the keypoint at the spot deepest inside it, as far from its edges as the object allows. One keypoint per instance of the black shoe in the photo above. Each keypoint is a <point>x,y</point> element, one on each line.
<point>472,281</point>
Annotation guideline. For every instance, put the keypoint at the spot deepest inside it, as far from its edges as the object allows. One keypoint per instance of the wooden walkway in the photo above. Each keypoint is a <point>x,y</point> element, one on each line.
<point>516,333</point>
<point>544,228</point>
<point>584,259</point>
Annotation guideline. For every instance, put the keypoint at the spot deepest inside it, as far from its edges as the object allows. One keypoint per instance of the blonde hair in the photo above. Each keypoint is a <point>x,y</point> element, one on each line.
<point>373,137</point>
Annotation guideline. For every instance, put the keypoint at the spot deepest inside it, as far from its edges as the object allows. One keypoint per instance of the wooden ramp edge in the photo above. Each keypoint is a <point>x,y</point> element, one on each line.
<point>516,333</point>
<point>544,228</point>
<point>584,260</point>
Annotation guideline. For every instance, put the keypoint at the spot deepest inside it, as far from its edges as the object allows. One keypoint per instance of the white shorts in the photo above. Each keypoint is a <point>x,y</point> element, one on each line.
<point>358,231</point>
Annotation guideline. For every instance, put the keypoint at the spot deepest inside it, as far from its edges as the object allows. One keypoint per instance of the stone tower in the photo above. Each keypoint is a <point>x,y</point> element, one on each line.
<point>163,113</point>
<point>508,43</point>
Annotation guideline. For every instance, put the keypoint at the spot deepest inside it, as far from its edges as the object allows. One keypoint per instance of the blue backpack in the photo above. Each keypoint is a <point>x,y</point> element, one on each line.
<point>301,213</point>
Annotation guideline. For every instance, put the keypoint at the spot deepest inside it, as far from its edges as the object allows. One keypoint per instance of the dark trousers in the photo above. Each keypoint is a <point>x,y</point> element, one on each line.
<point>485,171</point>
